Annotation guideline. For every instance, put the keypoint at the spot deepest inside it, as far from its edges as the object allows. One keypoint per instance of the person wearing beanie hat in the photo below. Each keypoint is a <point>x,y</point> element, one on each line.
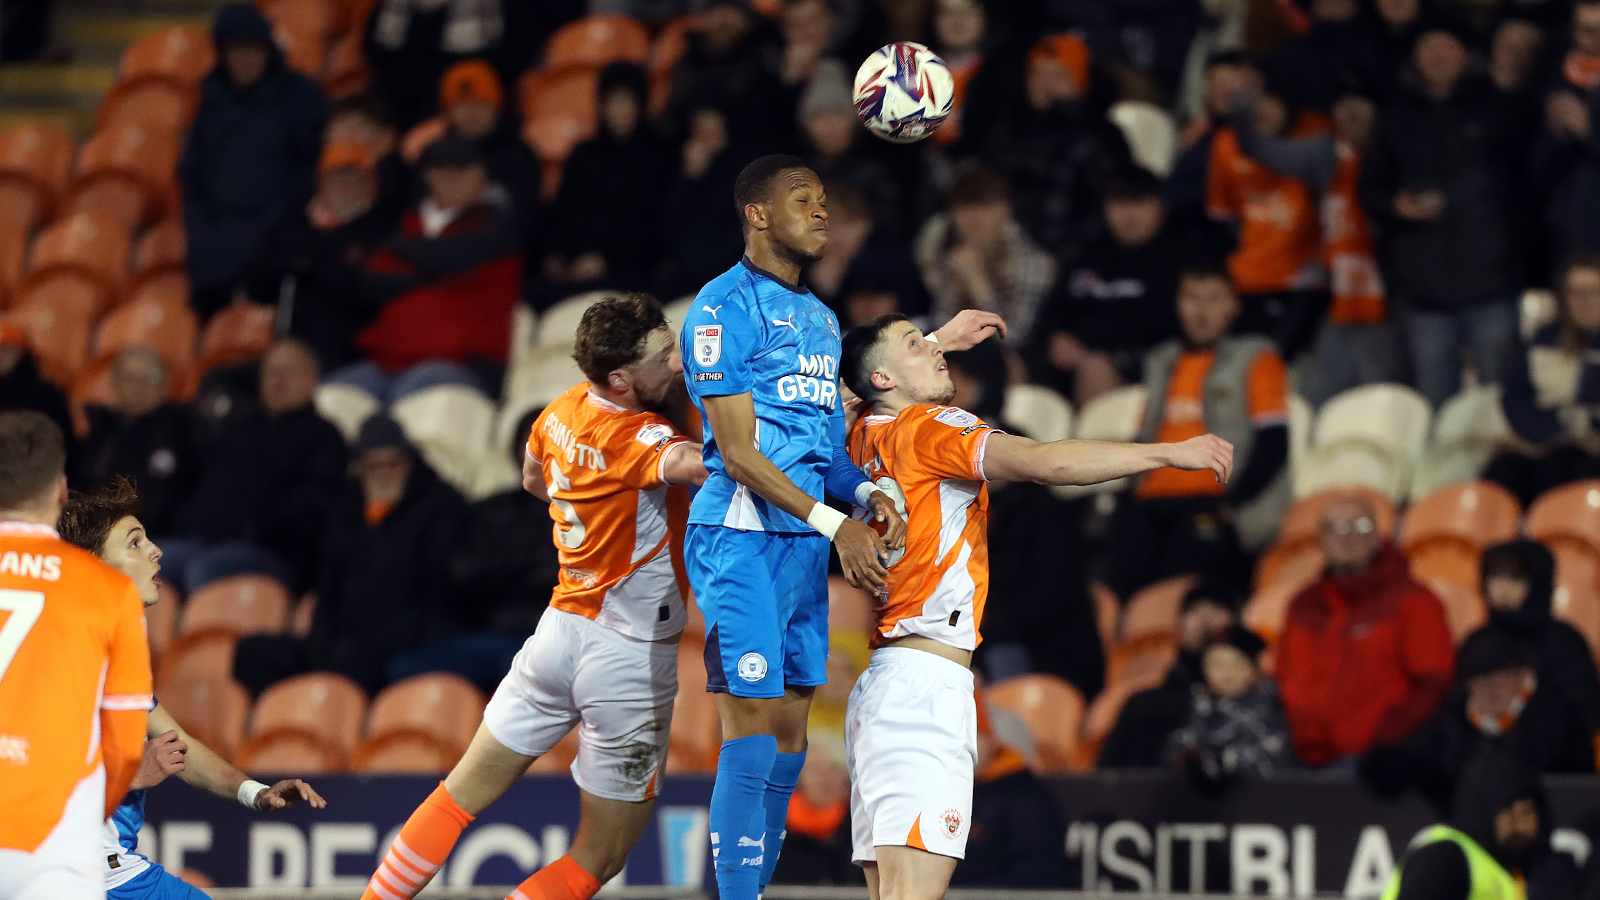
<point>1236,725</point>
<point>840,151</point>
<point>625,167</point>
<point>250,159</point>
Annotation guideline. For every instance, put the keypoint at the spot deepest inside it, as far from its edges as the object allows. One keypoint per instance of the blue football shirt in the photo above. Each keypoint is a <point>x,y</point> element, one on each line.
<point>750,331</point>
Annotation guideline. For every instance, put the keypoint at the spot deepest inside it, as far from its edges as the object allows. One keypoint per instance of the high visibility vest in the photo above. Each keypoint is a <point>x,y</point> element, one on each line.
<point>1490,880</point>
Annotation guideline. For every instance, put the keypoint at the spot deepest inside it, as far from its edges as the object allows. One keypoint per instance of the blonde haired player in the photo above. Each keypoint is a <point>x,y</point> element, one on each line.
<point>605,654</point>
<point>911,724</point>
<point>74,679</point>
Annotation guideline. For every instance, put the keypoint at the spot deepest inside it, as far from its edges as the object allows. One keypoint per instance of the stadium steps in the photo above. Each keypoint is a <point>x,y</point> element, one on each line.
<point>66,89</point>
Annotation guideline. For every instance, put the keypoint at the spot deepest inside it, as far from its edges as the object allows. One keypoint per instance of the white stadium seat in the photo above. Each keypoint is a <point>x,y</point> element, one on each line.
<point>677,311</point>
<point>1466,432</point>
<point>1115,415</point>
<point>559,324</point>
<point>1538,308</point>
<point>1301,417</point>
<point>1392,417</point>
<point>1355,463</point>
<point>1038,412</point>
<point>450,426</point>
<point>542,377</point>
<point>1152,137</point>
<point>346,406</point>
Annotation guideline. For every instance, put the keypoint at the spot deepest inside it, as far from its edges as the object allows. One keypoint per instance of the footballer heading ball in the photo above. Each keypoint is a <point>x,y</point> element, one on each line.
<point>903,92</point>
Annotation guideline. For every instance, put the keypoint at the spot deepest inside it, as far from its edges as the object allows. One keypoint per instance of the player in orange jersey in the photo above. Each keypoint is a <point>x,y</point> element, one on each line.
<point>74,679</point>
<point>105,522</point>
<point>911,724</point>
<point>605,654</point>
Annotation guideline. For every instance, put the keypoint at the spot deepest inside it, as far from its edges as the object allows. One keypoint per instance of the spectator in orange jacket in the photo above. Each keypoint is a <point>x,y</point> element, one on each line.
<point>1365,653</point>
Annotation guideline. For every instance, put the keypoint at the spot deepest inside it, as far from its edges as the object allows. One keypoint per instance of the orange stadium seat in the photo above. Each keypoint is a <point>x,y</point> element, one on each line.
<point>1052,710</point>
<point>1450,568</point>
<point>158,317</point>
<point>440,707</point>
<point>560,757</point>
<point>304,613</point>
<point>1107,613</point>
<point>1101,717</point>
<point>849,609</point>
<point>1154,610</point>
<point>39,159</point>
<point>238,333</point>
<point>154,104</point>
<point>1280,575</point>
<point>87,245</point>
<point>93,388</point>
<point>140,158</point>
<point>403,754</point>
<point>1476,513</point>
<point>1144,660</point>
<point>1567,513</point>
<point>303,49</point>
<point>290,753</point>
<point>345,72</point>
<point>323,706</point>
<point>558,112</point>
<point>203,656</point>
<point>211,709</point>
<point>696,732</point>
<point>22,209</point>
<point>161,251</point>
<point>315,18</point>
<point>113,198</point>
<point>1300,524</point>
<point>180,55</point>
<point>57,314</point>
<point>353,15</point>
<point>161,623</point>
<point>422,136</point>
<point>242,604</point>
<point>664,55</point>
<point>13,250</point>
<point>595,41</point>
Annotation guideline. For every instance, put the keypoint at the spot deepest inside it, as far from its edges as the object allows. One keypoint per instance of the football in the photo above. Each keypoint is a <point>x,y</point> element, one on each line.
<point>903,92</point>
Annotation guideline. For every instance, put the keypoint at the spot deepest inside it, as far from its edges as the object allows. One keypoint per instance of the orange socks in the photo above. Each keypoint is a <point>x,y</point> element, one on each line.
<point>561,880</point>
<point>420,849</point>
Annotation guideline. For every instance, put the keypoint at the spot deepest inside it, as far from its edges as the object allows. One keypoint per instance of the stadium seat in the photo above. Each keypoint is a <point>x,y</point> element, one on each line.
<point>1451,570</point>
<point>1038,412</point>
<point>242,604</point>
<point>1280,575</point>
<point>303,49</point>
<point>1052,710</point>
<point>1116,415</point>
<point>345,73</point>
<point>1152,137</point>
<point>1141,660</point>
<point>677,311</point>
<point>56,314</point>
<point>1570,512</point>
<point>305,611</point>
<point>87,245</point>
<point>849,609</point>
<point>664,55</point>
<point>153,104</point>
<point>38,158</point>
<point>1301,419</point>
<point>403,754</point>
<point>113,198</point>
<point>91,388</point>
<point>1107,612</point>
<point>538,378</point>
<point>559,111</point>
<point>238,333</point>
<point>1537,308</point>
<point>180,55</point>
<point>440,707</point>
<point>161,251</point>
<point>559,760</point>
<point>1467,431</point>
<point>595,41</point>
<point>1304,518</point>
<point>1446,465</point>
<point>696,734</point>
<point>559,325</point>
<point>316,18</point>
<point>449,425</point>
<point>422,136</point>
<point>1580,609</point>
<point>1392,417</point>
<point>1464,608</point>
<point>1352,465</point>
<point>1153,611</point>
<point>22,209</point>
<point>13,250</point>
<point>1474,513</point>
<point>289,753</point>
<point>211,709</point>
<point>346,406</point>
<point>202,656</point>
<point>161,623</point>
<point>145,159</point>
<point>153,318</point>
<point>323,706</point>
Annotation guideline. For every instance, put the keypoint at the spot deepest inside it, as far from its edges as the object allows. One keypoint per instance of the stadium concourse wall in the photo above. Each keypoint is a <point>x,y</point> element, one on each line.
<point>1300,835</point>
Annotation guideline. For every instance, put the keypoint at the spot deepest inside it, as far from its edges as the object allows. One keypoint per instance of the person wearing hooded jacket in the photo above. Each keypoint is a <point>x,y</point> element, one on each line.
<point>1496,844</point>
<point>250,159</point>
<point>1518,584</point>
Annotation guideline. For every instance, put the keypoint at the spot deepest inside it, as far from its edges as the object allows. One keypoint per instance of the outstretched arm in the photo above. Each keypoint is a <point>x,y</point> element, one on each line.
<point>1009,457</point>
<point>176,752</point>
<point>968,329</point>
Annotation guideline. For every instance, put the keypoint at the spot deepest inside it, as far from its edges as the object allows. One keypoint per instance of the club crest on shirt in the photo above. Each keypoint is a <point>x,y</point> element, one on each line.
<point>707,344</point>
<point>654,435</point>
<point>956,417</point>
<point>951,820</point>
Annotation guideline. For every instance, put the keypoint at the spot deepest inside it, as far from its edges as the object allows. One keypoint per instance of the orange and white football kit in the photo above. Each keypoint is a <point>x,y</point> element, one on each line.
<point>605,653</point>
<point>911,728</point>
<point>74,696</point>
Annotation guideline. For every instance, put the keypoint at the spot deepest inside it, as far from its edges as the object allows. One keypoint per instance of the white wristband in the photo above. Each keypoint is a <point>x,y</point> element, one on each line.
<point>864,493</point>
<point>826,519</point>
<point>249,792</point>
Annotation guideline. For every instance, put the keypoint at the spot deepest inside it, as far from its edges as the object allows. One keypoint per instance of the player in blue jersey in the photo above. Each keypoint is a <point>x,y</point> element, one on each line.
<point>105,523</point>
<point>761,358</point>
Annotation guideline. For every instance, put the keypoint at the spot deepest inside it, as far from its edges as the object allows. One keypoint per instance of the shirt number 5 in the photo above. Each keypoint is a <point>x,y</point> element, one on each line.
<point>570,531</point>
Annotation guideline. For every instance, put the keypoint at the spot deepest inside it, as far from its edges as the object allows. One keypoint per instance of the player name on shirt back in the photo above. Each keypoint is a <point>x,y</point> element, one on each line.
<point>31,565</point>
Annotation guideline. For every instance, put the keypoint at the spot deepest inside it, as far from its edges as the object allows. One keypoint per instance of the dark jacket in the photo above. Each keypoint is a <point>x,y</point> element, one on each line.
<point>1016,838</point>
<point>698,231</point>
<point>156,451</point>
<point>1566,175</point>
<point>272,481</point>
<point>251,155</point>
<point>1540,417</point>
<point>738,81</point>
<point>1139,738</point>
<point>504,565</point>
<point>1226,737</point>
<point>1560,653</point>
<point>1467,148</point>
<point>384,588</point>
<point>24,388</point>
<point>1113,297</point>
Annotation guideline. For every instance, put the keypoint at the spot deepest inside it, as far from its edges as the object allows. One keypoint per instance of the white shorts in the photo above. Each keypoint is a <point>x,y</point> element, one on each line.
<point>911,740</point>
<point>620,689</point>
<point>67,864</point>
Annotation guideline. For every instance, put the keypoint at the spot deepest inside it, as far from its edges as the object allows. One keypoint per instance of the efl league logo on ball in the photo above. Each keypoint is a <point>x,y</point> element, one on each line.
<point>903,92</point>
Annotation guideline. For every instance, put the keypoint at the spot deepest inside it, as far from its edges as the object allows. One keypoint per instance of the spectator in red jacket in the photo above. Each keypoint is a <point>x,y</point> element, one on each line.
<point>1365,654</point>
<point>449,279</point>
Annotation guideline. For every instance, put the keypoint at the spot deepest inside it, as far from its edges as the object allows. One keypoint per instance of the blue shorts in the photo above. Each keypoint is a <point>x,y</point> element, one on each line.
<point>154,883</point>
<point>765,601</point>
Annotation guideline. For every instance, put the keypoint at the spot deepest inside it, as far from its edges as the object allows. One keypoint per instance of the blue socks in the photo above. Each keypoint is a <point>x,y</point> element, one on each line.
<point>780,787</point>
<point>739,816</point>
